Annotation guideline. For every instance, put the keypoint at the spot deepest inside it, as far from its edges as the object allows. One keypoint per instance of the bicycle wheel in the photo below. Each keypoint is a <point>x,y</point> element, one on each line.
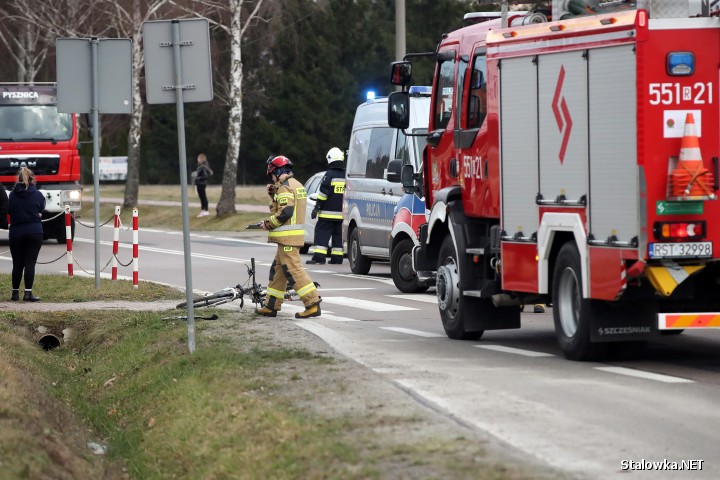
<point>210,300</point>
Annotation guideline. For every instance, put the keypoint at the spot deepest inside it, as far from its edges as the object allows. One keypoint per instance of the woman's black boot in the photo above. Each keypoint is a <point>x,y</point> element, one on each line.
<point>29,297</point>
<point>15,295</point>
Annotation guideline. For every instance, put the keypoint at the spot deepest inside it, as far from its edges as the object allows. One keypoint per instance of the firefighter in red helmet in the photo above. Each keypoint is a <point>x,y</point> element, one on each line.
<point>285,227</point>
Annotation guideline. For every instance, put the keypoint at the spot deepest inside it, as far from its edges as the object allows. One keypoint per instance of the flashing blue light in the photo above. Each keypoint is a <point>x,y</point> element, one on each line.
<point>680,64</point>
<point>418,90</point>
<point>370,95</point>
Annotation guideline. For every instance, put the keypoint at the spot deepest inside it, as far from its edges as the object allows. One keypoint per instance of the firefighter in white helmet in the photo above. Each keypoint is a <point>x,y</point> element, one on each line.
<point>328,210</point>
<point>285,227</point>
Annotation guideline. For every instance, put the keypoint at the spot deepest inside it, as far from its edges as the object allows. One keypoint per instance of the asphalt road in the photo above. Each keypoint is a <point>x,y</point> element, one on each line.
<point>585,418</point>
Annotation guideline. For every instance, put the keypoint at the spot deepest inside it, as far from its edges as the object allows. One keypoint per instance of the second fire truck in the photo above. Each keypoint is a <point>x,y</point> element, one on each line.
<point>35,135</point>
<point>572,158</point>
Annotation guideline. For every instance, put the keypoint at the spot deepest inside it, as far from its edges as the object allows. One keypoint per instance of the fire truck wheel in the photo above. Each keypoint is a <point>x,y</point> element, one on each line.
<point>403,275</point>
<point>359,263</point>
<point>453,305</point>
<point>572,314</point>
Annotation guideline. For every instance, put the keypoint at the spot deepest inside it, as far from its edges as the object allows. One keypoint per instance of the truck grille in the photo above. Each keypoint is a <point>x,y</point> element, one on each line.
<point>39,164</point>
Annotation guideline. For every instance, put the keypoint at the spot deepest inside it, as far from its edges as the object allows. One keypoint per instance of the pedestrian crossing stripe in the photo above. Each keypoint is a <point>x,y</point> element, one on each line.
<point>365,304</point>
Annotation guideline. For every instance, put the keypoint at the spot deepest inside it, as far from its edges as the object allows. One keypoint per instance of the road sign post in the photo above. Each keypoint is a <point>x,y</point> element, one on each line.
<point>94,75</point>
<point>177,75</point>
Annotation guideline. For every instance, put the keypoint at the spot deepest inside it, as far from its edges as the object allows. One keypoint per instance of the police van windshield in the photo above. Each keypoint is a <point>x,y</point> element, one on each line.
<point>34,123</point>
<point>420,142</point>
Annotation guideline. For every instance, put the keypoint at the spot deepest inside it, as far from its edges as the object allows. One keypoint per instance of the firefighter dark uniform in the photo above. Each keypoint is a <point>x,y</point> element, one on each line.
<point>285,227</point>
<point>328,230</point>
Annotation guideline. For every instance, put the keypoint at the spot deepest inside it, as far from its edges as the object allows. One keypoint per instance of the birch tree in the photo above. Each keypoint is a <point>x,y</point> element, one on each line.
<point>227,16</point>
<point>29,29</point>
<point>127,18</point>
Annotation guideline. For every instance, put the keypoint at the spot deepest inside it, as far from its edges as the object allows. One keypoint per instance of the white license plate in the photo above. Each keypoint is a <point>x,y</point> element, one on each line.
<point>680,250</point>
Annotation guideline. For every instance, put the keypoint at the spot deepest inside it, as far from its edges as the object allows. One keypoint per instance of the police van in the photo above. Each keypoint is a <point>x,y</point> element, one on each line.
<point>372,189</point>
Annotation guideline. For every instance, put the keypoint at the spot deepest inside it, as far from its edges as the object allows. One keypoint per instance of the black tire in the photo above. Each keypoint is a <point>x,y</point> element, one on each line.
<point>359,263</point>
<point>208,300</point>
<point>571,313</point>
<point>403,275</point>
<point>453,305</point>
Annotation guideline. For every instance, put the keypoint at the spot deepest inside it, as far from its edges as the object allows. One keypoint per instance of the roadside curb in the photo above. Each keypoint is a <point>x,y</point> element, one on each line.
<point>161,305</point>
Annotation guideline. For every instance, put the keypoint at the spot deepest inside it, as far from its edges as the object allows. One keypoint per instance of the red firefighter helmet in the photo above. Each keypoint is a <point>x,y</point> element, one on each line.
<point>280,161</point>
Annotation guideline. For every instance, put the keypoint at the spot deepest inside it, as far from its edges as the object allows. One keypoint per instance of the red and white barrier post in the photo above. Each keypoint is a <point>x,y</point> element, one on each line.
<point>116,242</point>
<point>68,240</point>
<point>135,247</point>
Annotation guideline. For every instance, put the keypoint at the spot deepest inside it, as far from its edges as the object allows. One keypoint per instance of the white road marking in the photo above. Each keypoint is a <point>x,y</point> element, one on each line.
<point>170,252</point>
<point>386,281</point>
<point>324,315</point>
<point>516,351</point>
<point>417,298</point>
<point>646,375</point>
<point>410,331</point>
<point>366,304</point>
<point>348,289</point>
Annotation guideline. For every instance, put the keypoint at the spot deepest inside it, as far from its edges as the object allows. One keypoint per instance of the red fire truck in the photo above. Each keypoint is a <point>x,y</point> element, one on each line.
<point>574,162</point>
<point>34,134</point>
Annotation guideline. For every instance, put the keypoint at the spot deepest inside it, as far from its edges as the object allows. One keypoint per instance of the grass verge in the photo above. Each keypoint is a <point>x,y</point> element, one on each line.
<point>258,399</point>
<point>252,195</point>
<point>63,289</point>
<point>152,216</point>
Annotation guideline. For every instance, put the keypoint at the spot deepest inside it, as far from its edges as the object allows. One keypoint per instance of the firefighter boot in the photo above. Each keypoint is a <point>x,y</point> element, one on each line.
<point>310,311</point>
<point>538,308</point>
<point>266,311</point>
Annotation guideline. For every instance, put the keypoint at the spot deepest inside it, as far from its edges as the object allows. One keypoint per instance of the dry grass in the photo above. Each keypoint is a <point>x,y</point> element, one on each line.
<point>252,195</point>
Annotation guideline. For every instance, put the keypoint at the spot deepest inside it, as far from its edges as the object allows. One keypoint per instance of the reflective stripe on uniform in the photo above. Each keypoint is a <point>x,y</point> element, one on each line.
<point>337,251</point>
<point>329,214</point>
<point>275,293</point>
<point>322,250</point>
<point>286,233</point>
<point>306,289</point>
<point>274,222</point>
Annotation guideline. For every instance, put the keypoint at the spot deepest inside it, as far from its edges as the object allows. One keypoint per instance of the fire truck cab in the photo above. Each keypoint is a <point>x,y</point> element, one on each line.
<point>35,135</point>
<point>574,162</point>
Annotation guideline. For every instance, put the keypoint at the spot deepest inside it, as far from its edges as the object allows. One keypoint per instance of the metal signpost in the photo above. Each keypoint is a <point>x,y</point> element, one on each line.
<point>178,70</point>
<point>94,75</point>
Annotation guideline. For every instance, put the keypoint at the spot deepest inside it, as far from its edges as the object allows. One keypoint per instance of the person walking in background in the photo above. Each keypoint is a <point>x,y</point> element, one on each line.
<point>285,227</point>
<point>328,211</point>
<point>201,177</point>
<point>26,232</point>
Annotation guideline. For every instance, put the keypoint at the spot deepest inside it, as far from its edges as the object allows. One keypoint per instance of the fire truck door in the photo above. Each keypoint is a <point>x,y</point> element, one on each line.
<point>562,108</point>
<point>443,162</point>
<point>614,184</point>
<point>519,146</point>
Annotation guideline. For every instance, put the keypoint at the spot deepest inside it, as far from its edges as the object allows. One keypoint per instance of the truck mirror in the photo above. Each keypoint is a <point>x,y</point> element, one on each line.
<point>393,170</point>
<point>407,178</point>
<point>399,110</point>
<point>400,73</point>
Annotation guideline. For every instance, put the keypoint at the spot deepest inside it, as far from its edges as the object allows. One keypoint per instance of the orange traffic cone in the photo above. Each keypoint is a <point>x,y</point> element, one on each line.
<point>690,178</point>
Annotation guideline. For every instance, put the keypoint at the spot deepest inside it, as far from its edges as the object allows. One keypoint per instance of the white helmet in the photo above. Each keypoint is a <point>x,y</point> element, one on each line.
<point>335,155</point>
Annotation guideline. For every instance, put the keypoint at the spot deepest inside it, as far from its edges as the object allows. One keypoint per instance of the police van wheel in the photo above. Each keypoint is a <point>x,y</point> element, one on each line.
<point>571,313</point>
<point>359,263</point>
<point>403,275</point>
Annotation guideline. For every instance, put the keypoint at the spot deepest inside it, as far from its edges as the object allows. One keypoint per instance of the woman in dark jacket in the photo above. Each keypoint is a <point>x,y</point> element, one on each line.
<point>26,232</point>
<point>201,177</point>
